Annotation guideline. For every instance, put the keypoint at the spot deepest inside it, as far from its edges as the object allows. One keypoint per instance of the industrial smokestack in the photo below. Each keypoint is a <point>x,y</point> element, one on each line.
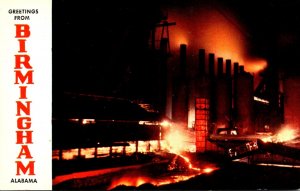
<point>211,63</point>
<point>220,67</point>
<point>235,77</point>
<point>223,95</point>
<point>235,69</point>
<point>229,92</point>
<point>201,60</point>
<point>244,102</point>
<point>228,68</point>
<point>180,101</point>
<point>242,70</point>
<point>183,59</point>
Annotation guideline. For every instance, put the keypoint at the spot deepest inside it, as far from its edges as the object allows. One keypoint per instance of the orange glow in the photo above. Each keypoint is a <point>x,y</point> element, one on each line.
<point>255,65</point>
<point>165,123</point>
<point>187,160</point>
<point>175,141</point>
<point>181,39</point>
<point>131,181</point>
<point>139,180</point>
<point>208,170</point>
<point>207,29</point>
<point>70,154</point>
<point>284,135</point>
<point>215,30</point>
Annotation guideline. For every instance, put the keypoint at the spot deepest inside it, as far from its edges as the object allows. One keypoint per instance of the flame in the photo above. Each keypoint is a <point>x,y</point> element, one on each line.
<point>283,135</point>
<point>175,140</point>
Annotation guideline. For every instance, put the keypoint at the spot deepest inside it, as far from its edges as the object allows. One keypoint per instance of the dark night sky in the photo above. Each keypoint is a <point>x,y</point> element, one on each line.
<point>102,47</point>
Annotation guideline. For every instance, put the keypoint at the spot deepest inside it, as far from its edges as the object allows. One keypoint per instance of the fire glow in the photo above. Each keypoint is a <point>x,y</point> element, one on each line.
<point>215,30</point>
<point>284,135</point>
<point>136,180</point>
<point>131,181</point>
<point>175,142</point>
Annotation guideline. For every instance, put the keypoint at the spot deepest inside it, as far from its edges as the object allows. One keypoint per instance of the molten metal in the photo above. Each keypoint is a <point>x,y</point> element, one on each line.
<point>179,168</point>
<point>131,181</point>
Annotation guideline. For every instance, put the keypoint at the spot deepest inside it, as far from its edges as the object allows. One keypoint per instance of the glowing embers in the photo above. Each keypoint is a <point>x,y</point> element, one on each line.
<point>284,135</point>
<point>131,181</point>
<point>174,168</point>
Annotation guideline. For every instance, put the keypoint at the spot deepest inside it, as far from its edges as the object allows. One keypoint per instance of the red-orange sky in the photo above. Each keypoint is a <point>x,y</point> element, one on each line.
<point>215,30</point>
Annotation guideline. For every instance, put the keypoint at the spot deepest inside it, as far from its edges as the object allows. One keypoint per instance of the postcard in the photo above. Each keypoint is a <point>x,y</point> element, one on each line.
<point>150,95</point>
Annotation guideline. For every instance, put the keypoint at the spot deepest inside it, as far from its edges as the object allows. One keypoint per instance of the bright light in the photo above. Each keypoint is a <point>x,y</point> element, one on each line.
<point>208,170</point>
<point>165,123</point>
<point>74,120</point>
<point>175,140</point>
<point>285,134</point>
<point>261,100</point>
<point>88,121</point>
<point>147,123</point>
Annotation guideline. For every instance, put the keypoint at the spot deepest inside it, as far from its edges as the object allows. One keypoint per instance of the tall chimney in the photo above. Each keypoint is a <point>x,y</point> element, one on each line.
<point>220,67</point>
<point>211,63</point>
<point>183,59</point>
<point>242,70</point>
<point>229,90</point>
<point>228,68</point>
<point>201,60</point>
<point>180,89</point>
<point>235,69</point>
<point>235,77</point>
